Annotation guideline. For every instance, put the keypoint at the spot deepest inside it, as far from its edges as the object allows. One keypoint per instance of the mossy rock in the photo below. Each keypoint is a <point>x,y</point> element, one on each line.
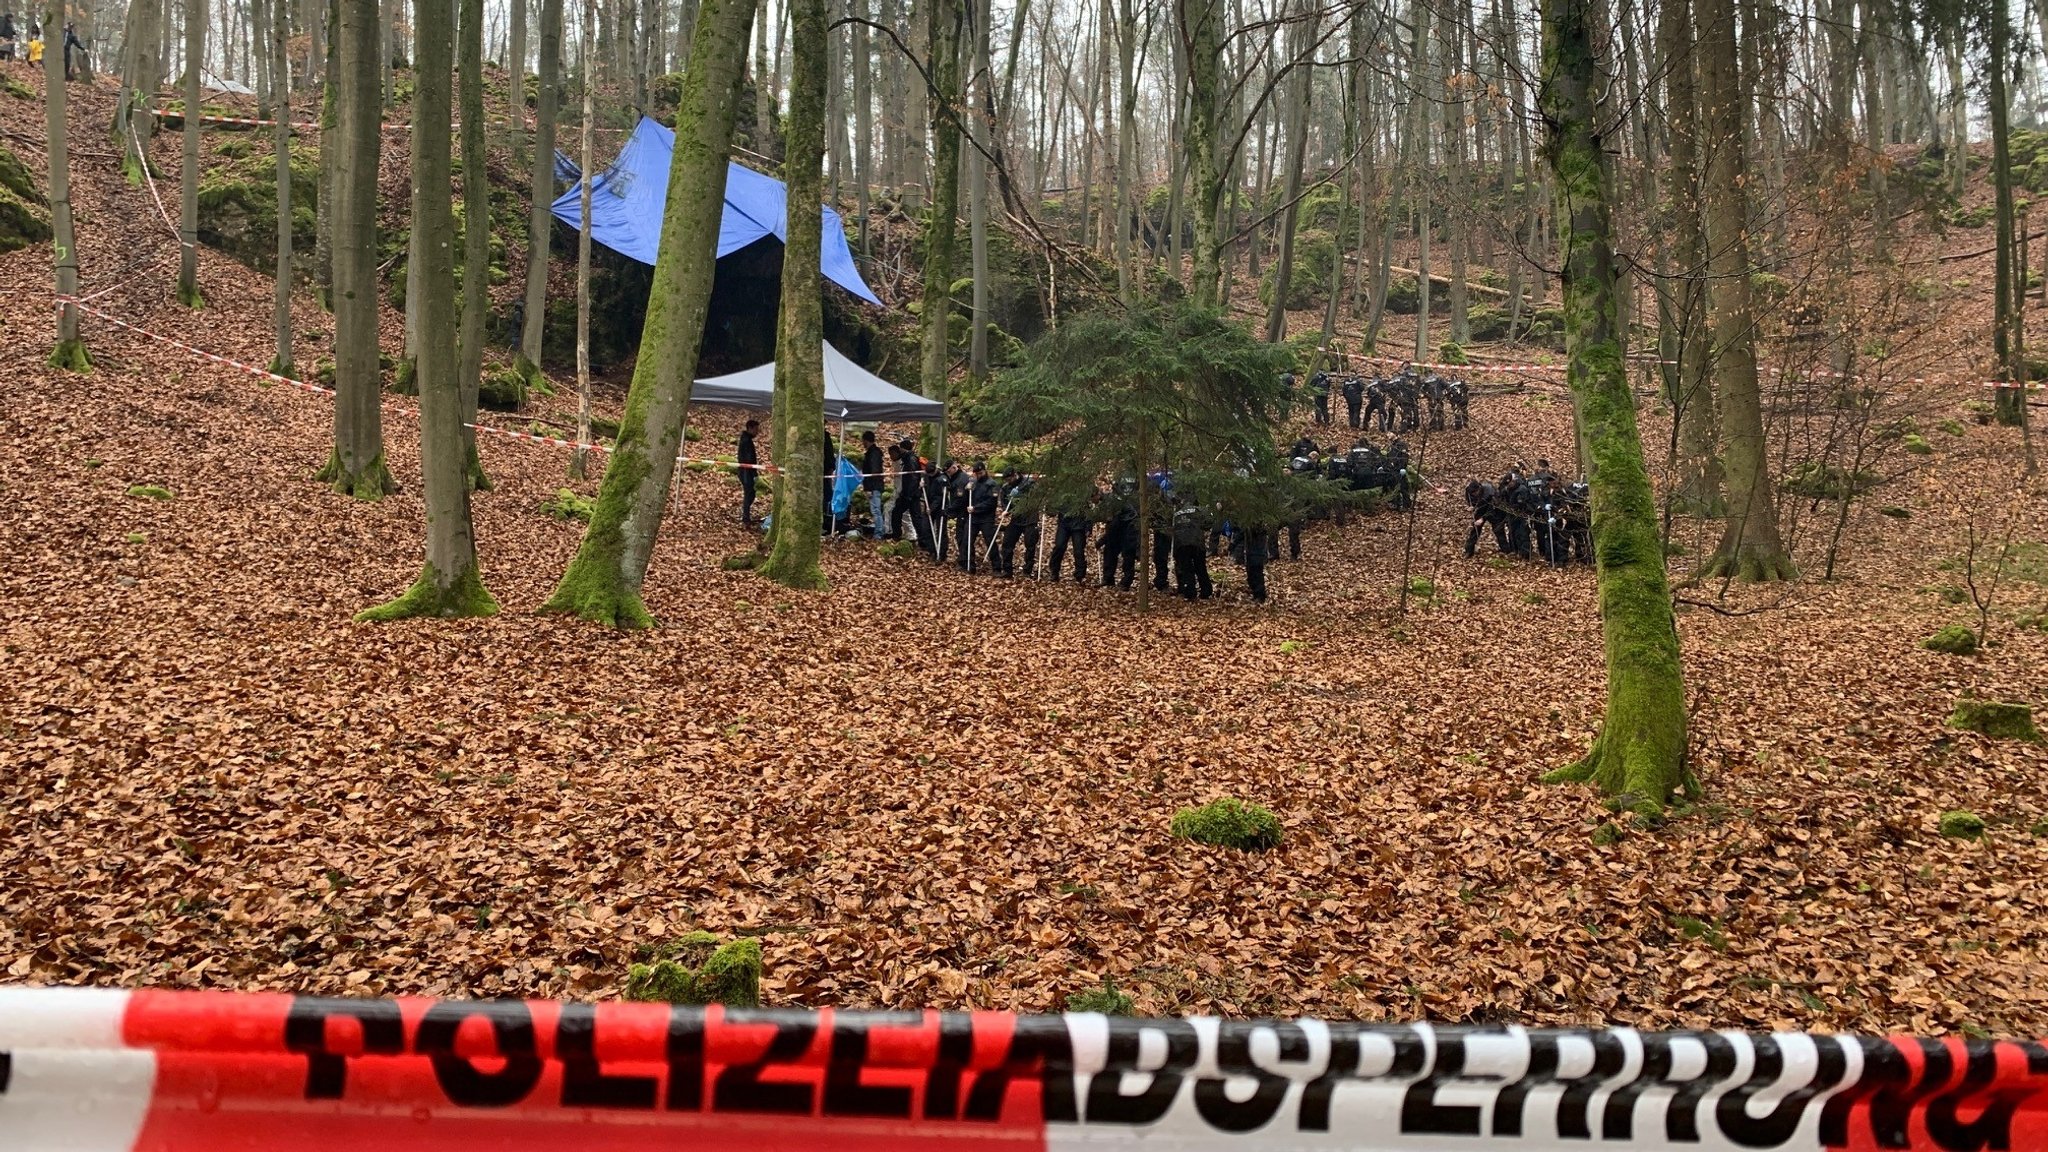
<point>17,89</point>
<point>565,504</point>
<point>1486,323</point>
<point>1452,352</point>
<point>1952,426</point>
<point>1955,640</point>
<point>501,389</point>
<point>24,213</point>
<point>1105,998</point>
<point>152,492</point>
<point>1229,824</point>
<point>1818,481</point>
<point>1917,445</point>
<point>238,208</point>
<point>1997,719</point>
<point>698,970</point>
<point>1961,825</point>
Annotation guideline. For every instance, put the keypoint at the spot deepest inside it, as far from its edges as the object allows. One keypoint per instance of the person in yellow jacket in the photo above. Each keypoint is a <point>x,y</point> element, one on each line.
<point>35,45</point>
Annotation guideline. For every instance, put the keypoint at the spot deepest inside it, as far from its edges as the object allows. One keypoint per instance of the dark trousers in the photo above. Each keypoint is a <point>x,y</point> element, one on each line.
<point>1518,537</point>
<point>908,504</point>
<point>1484,519</point>
<point>747,481</point>
<point>1063,537</point>
<point>1119,549</point>
<point>1255,579</point>
<point>1191,571</point>
<point>1323,409</point>
<point>977,535</point>
<point>1351,407</point>
<point>1022,529</point>
<point>1459,415</point>
<point>1162,556</point>
<point>1293,542</point>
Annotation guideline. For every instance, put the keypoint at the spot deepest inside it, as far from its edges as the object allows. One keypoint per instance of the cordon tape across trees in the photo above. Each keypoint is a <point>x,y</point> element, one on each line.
<point>103,1070</point>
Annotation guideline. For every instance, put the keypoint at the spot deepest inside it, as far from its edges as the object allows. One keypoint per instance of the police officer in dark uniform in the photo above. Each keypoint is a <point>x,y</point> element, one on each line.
<point>1319,391</point>
<point>1376,409</point>
<point>1259,544</point>
<point>910,473</point>
<point>1072,530</point>
<point>1354,396</point>
<point>1190,523</point>
<point>1487,512</point>
<point>978,527</point>
<point>951,530</point>
<point>1460,397</point>
<point>1433,391</point>
<point>1161,527</point>
<point>747,459</point>
<point>1020,524</point>
<point>1120,537</point>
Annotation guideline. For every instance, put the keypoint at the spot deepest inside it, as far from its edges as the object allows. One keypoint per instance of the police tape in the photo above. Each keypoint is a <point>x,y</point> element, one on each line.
<point>257,123</point>
<point>1433,365</point>
<point>106,1070</point>
<point>214,357</point>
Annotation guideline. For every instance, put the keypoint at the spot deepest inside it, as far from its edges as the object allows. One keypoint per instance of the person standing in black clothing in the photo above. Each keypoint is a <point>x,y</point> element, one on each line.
<point>1354,398</point>
<point>1019,526</point>
<point>1190,563</point>
<point>978,529</point>
<point>71,40</point>
<point>1259,545</point>
<point>748,460</point>
<point>952,537</point>
<point>910,479</point>
<point>1120,538</point>
<point>1072,529</point>
<point>7,35</point>
<point>874,471</point>
<point>1319,390</point>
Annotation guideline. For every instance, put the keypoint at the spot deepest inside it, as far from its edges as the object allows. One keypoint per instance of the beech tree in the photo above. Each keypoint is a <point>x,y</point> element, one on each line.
<point>356,467</point>
<point>540,225</point>
<point>1639,755</point>
<point>943,20</point>
<point>450,583</point>
<point>188,175</point>
<point>799,429</point>
<point>476,227</point>
<point>70,351</point>
<point>281,145</point>
<point>576,458</point>
<point>602,583</point>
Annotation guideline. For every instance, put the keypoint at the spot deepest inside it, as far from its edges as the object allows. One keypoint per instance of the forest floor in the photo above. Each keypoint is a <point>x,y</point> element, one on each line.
<point>921,789</point>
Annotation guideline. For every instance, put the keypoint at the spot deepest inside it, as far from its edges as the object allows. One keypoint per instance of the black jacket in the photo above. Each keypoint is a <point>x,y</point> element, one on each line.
<point>982,499</point>
<point>957,485</point>
<point>747,454</point>
<point>873,463</point>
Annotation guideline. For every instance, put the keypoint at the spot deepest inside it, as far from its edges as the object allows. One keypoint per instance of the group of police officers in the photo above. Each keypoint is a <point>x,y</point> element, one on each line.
<point>964,515</point>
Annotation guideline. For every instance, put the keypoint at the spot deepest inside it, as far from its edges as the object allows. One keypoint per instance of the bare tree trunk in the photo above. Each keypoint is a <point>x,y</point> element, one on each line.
<point>188,181</point>
<point>1201,30</point>
<point>281,146</point>
<point>576,462</point>
<point>356,467</point>
<point>863,118</point>
<point>541,189</point>
<point>1639,755</point>
<point>476,233</point>
<point>603,582</point>
<point>1423,89</point>
<point>331,148</point>
<point>450,583</point>
<point>515,69</point>
<point>977,194</point>
<point>69,353</point>
<point>944,20</point>
<point>1690,384</point>
<point>764,83</point>
<point>1958,107</point>
<point>799,346</point>
<point>1459,189</point>
<point>1127,152</point>
<point>1302,36</point>
<point>1750,549</point>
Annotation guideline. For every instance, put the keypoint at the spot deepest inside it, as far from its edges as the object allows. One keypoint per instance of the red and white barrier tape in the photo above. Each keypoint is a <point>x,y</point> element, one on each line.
<point>253,121</point>
<point>554,441</point>
<point>1433,365</point>
<point>107,1070</point>
<point>226,361</point>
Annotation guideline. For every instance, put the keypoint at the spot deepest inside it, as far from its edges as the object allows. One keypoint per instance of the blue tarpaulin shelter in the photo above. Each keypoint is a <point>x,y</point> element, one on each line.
<point>626,202</point>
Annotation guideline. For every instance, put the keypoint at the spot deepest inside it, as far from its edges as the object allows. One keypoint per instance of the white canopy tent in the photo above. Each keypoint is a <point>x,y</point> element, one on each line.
<point>851,393</point>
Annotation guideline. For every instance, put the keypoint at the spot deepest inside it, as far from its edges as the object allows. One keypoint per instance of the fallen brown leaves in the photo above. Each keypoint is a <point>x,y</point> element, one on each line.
<point>920,790</point>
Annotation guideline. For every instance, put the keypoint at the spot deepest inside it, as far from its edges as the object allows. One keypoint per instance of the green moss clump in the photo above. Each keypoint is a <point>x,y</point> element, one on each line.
<point>567,505</point>
<point>1952,426</point>
<point>742,562</point>
<point>897,550</point>
<point>2040,829</point>
<point>502,390</point>
<point>69,356</point>
<point>696,969</point>
<point>406,381</point>
<point>1996,719</point>
<point>1917,445</point>
<point>1961,825</point>
<point>1608,833</point>
<point>1105,998</point>
<point>1229,824</point>
<point>1819,481</point>
<point>1955,640</point>
<point>24,218</point>
<point>152,492</point>
<point>1452,352</point>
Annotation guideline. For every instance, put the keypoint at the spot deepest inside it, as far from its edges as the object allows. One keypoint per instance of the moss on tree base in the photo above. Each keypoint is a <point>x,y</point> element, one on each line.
<point>282,367</point>
<point>479,481</point>
<point>792,571</point>
<point>427,598</point>
<point>1635,773</point>
<point>70,356</point>
<point>1996,719</point>
<point>406,380</point>
<point>1750,566</point>
<point>190,296</point>
<point>593,589</point>
<point>372,482</point>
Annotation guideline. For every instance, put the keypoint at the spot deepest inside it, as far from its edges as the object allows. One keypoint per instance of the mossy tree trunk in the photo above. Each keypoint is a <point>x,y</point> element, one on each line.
<point>603,582</point>
<point>1201,32</point>
<point>70,350</point>
<point>799,345</point>
<point>188,173</point>
<point>515,66</point>
<point>1302,36</point>
<point>281,147</point>
<point>1691,390</point>
<point>357,465</point>
<point>1750,547</point>
<point>943,19</point>
<point>450,583</point>
<point>1640,752</point>
<point>541,224</point>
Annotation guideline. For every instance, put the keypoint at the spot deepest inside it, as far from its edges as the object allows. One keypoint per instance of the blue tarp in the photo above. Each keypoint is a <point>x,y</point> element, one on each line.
<point>846,482</point>
<point>627,199</point>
